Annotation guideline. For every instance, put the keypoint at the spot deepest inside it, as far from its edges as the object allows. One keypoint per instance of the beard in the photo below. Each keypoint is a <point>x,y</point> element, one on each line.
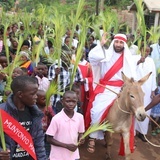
<point>118,49</point>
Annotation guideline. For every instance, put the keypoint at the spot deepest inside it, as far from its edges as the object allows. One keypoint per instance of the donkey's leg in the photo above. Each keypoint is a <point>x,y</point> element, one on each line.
<point>127,151</point>
<point>109,141</point>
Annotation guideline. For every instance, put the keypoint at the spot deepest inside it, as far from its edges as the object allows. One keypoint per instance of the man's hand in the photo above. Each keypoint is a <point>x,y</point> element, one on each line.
<point>155,101</point>
<point>142,60</point>
<point>104,39</point>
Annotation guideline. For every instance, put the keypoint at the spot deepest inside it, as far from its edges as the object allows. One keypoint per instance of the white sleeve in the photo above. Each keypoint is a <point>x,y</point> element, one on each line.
<point>96,55</point>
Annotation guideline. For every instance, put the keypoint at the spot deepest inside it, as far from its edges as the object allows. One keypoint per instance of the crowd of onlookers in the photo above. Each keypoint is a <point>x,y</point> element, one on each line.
<point>48,73</point>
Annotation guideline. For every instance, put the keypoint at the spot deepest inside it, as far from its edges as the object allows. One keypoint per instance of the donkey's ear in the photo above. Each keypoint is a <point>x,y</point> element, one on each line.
<point>144,79</point>
<point>125,78</point>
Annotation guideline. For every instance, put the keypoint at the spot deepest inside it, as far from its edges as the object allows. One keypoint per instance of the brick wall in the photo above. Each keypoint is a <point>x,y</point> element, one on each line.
<point>124,17</point>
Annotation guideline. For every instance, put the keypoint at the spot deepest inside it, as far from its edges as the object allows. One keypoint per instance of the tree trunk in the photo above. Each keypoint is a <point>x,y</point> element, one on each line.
<point>63,1</point>
<point>102,6</point>
<point>97,7</point>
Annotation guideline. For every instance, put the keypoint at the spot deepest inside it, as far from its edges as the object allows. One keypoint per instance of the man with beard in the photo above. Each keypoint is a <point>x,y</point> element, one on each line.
<point>107,67</point>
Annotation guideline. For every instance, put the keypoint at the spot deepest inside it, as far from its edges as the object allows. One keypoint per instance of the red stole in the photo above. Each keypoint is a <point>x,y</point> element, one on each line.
<point>18,133</point>
<point>104,81</point>
<point>86,73</point>
<point>99,89</point>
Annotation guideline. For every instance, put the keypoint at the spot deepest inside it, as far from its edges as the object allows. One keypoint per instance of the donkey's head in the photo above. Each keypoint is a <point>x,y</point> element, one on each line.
<point>134,96</point>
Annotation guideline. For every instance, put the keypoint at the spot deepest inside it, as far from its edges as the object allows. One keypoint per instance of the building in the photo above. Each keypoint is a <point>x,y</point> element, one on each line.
<point>151,11</point>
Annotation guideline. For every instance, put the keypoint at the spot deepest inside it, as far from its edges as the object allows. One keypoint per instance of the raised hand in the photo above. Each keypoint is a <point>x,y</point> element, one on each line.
<point>104,38</point>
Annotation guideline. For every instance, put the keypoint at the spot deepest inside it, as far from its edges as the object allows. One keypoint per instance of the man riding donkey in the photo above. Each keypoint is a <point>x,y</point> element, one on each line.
<point>107,66</point>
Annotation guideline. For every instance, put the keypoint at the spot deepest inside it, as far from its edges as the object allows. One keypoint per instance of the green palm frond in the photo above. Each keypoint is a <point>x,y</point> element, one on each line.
<point>75,18</point>
<point>154,34</point>
<point>37,51</point>
<point>5,42</point>
<point>2,134</point>
<point>141,22</point>
<point>109,19</point>
<point>106,126</point>
<point>41,13</point>
<point>79,52</point>
<point>9,69</point>
<point>59,22</point>
<point>53,89</point>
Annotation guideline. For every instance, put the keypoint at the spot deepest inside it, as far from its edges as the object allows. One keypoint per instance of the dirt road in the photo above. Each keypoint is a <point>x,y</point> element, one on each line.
<point>143,151</point>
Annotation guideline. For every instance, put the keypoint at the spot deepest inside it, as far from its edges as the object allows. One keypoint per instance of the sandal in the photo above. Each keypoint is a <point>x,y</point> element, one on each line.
<point>91,145</point>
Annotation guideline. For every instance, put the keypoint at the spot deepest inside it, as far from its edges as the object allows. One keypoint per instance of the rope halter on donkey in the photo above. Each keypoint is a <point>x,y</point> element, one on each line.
<point>130,113</point>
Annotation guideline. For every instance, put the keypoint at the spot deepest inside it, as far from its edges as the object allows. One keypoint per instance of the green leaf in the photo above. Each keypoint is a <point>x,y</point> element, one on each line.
<point>106,126</point>
<point>2,134</point>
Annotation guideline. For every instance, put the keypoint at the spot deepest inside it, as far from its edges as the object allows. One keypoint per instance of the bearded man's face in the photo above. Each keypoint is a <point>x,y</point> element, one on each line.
<point>118,46</point>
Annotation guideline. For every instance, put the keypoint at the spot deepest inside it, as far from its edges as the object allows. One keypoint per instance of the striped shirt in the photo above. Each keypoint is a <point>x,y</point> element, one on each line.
<point>64,79</point>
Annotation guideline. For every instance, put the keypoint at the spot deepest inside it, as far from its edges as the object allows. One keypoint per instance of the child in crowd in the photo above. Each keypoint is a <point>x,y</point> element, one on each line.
<point>48,114</point>
<point>3,65</point>
<point>42,80</point>
<point>65,146</point>
<point>46,71</point>
<point>76,88</point>
<point>25,71</point>
<point>16,72</point>
<point>155,112</point>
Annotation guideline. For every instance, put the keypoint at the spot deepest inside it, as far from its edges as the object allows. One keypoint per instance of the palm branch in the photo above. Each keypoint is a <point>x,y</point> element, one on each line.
<point>154,34</point>
<point>105,126</point>
<point>81,45</point>
<point>2,134</point>
<point>53,89</point>
<point>75,18</point>
<point>141,23</point>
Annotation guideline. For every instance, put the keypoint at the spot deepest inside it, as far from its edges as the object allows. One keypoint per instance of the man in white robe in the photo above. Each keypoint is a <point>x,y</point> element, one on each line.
<point>145,66</point>
<point>103,61</point>
<point>155,55</point>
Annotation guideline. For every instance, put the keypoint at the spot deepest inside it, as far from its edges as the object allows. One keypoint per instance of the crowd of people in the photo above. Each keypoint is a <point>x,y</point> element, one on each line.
<point>49,131</point>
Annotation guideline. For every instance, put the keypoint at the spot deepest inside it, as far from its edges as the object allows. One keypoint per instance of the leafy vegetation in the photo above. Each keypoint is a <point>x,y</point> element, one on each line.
<point>7,4</point>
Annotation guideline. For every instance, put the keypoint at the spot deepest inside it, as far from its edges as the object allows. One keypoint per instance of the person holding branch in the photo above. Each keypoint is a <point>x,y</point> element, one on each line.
<point>21,119</point>
<point>107,66</point>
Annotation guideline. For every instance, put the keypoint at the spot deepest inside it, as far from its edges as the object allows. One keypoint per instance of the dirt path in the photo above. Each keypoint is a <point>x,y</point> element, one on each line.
<point>144,150</point>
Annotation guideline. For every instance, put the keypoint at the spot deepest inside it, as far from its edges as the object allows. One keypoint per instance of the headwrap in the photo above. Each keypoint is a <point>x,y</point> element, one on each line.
<point>127,55</point>
<point>120,37</point>
<point>23,53</point>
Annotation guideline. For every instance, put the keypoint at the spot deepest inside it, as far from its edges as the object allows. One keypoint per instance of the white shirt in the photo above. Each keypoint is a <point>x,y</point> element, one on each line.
<point>43,83</point>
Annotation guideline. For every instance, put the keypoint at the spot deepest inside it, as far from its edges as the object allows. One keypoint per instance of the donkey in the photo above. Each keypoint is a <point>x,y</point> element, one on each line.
<point>128,103</point>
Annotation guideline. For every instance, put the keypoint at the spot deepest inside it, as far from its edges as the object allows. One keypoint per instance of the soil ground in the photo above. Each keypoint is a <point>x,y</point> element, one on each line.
<point>143,151</point>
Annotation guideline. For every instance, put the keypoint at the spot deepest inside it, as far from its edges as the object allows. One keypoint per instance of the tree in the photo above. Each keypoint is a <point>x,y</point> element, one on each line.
<point>7,4</point>
<point>97,7</point>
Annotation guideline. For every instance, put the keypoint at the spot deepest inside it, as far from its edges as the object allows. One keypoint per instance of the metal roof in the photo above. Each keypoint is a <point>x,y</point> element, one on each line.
<point>152,5</point>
